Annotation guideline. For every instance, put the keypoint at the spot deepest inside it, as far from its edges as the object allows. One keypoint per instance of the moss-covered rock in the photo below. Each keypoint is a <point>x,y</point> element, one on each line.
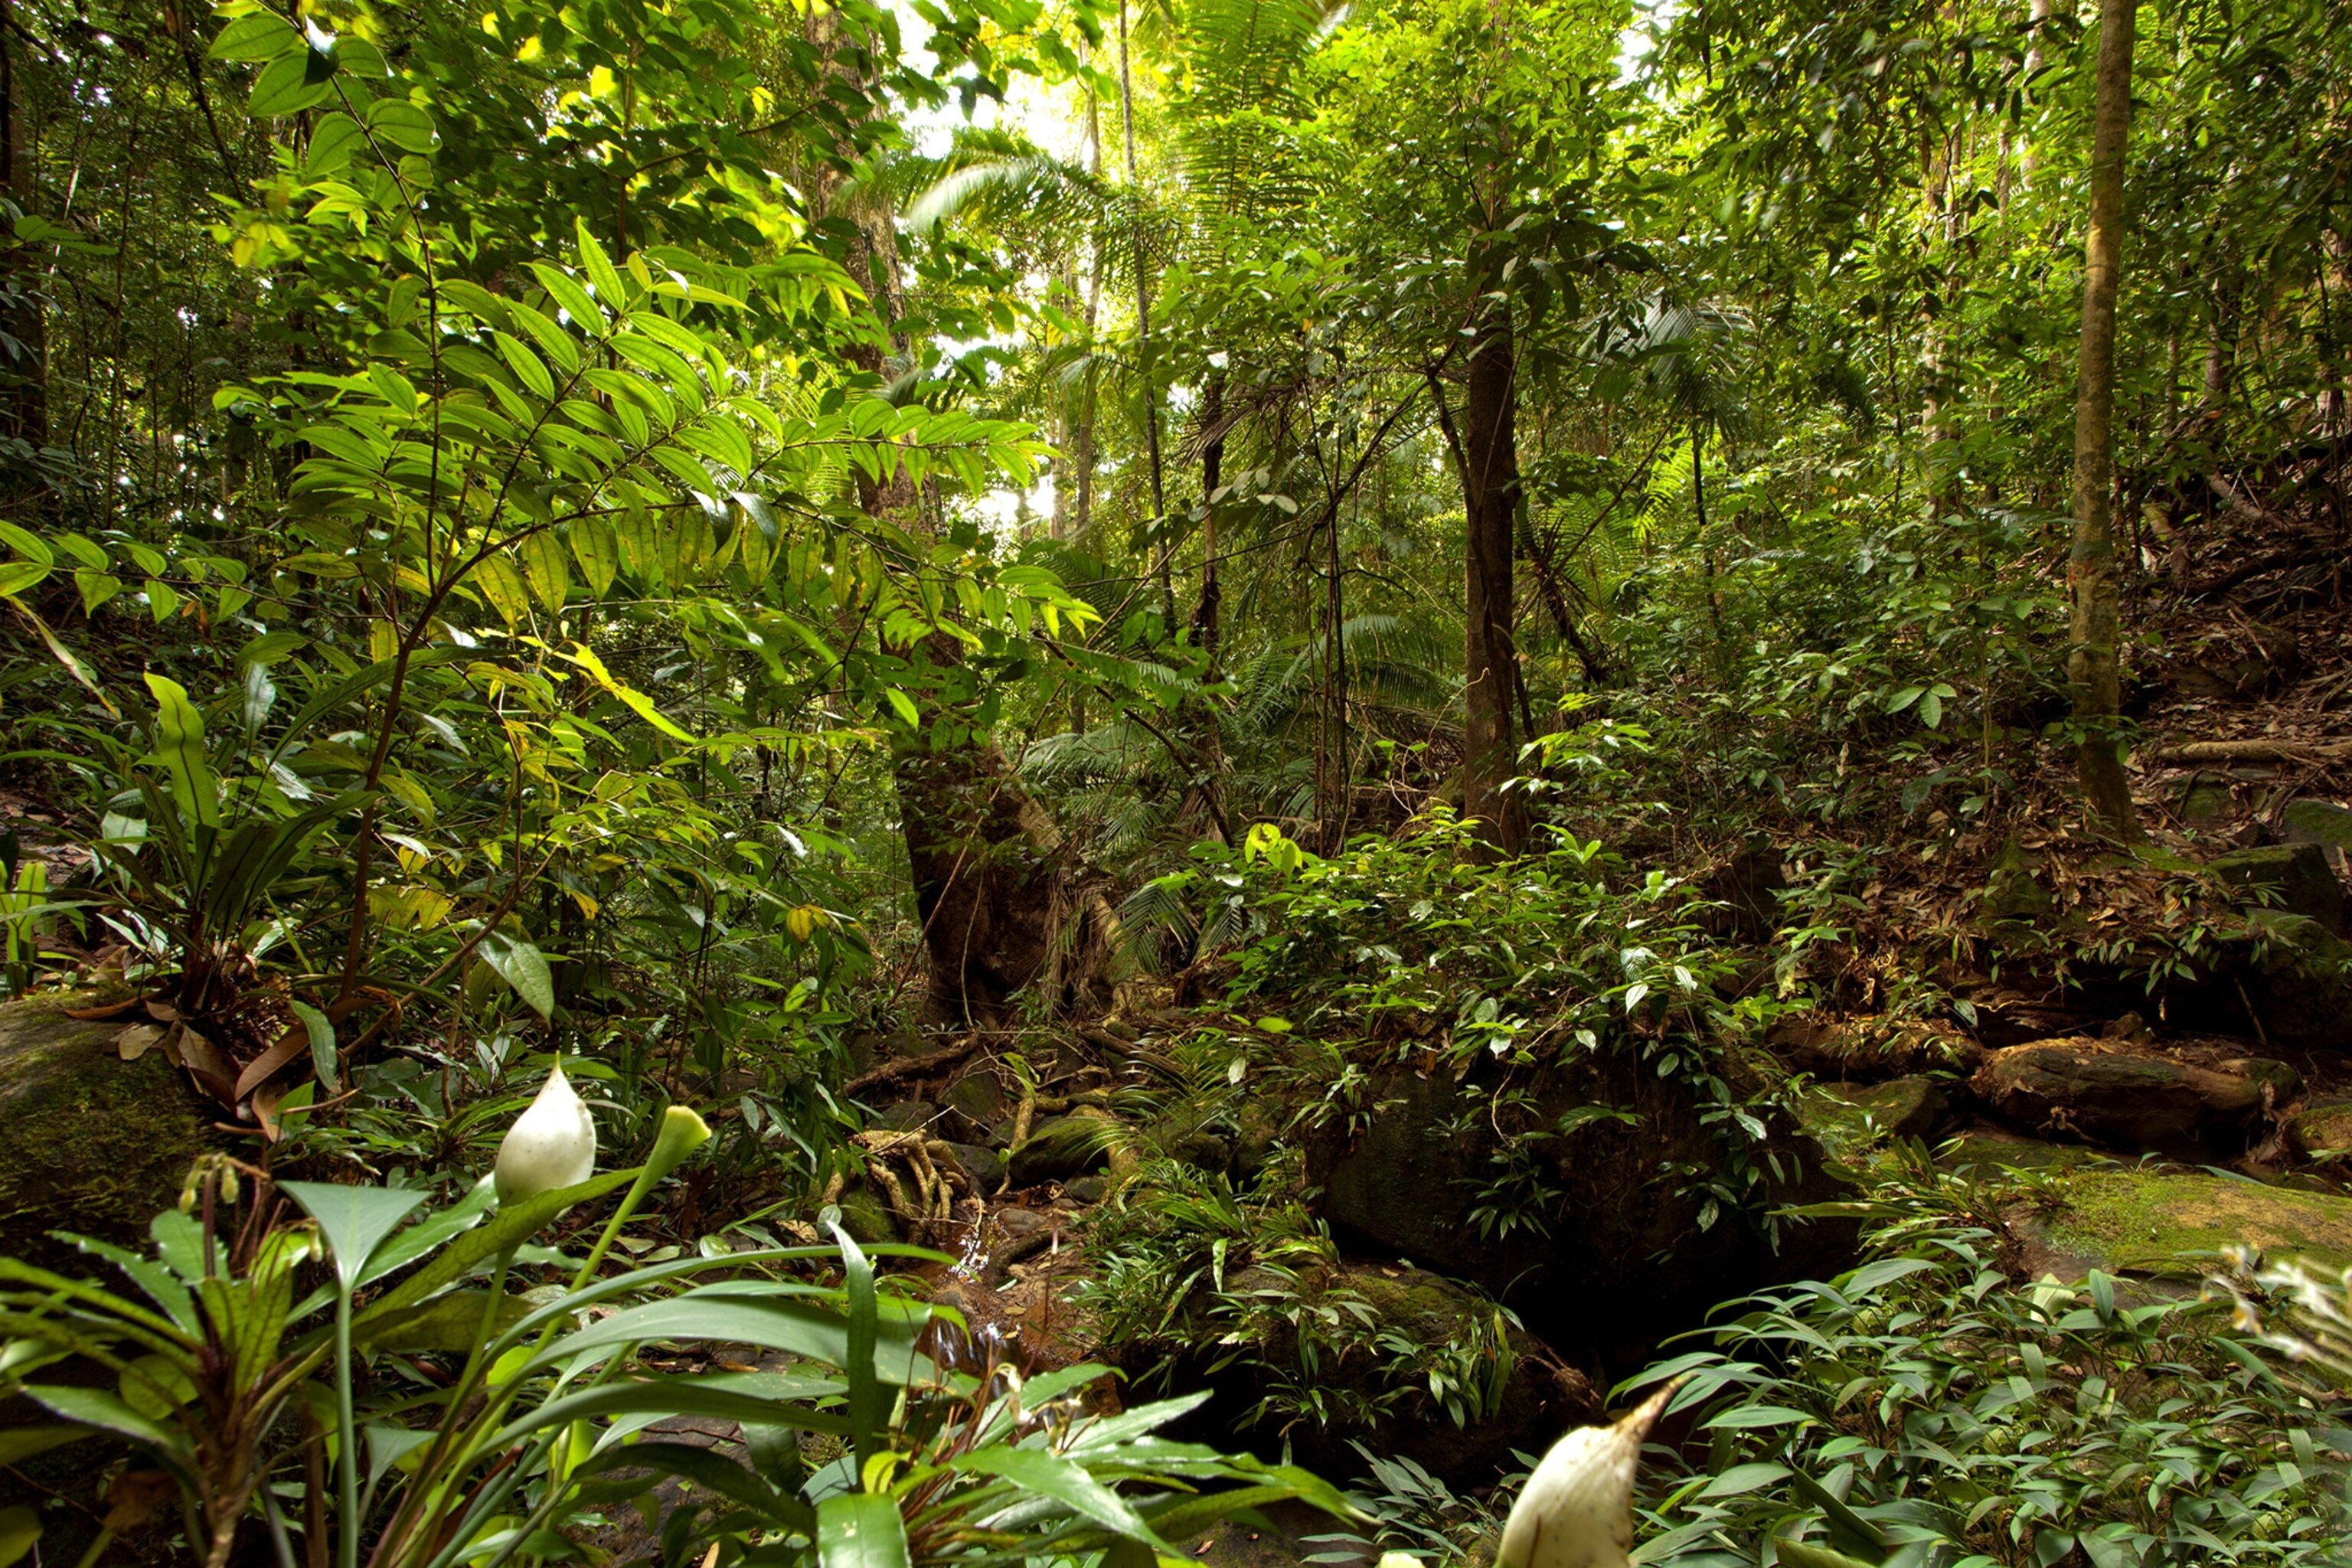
<point>2295,877</point>
<point>88,1142</point>
<point>1063,1146</point>
<point>2130,1097</point>
<point>1847,1121</point>
<point>2301,979</point>
<point>866,1217</point>
<point>2322,1129</point>
<point>2013,896</point>
<point>1870,1048</point>
<point>2116,1219</point>
<point>1592,1202</point>
<point>2320,822</point>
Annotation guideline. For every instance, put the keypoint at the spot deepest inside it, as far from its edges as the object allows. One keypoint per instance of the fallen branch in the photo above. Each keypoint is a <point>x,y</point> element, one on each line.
<point>2334,750</point>
<point>2306,557</point>
<point>904,1070</point>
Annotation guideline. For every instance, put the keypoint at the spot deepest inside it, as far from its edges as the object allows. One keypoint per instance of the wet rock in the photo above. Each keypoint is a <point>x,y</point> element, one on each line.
<point>2322,1129</point>
<point>1087,1189</point>
<point>1063,1146</point>
<point>2129,1098</point>
<point>984,1164</point>
<point>1592,1226</point>
<point>1868,1048</point>
<point>2158,1221</point>
<point>2294,879</point>
<point>88,1142</point>
<point>2300,980</point>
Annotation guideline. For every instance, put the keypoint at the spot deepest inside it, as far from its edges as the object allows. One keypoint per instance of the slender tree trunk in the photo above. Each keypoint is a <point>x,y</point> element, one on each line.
<point>24,378</point>
<point>1213,478</point>
<point>1490,492</point>
<point>1144,352</point>
<point>2096,624</point>
<point>1083,454</point>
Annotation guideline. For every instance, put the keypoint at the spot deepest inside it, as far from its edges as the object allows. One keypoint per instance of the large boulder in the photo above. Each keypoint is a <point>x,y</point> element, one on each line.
<point>1608,1202</point>
<point>1869,1048</point>
<point>2131,1097</point>
<point>88,1142</point>
<point>1849,1120</point>
<point>2168,1222</point>
<point>2293,877</point>
<point>2320,822</point>
<point>2300,980</point>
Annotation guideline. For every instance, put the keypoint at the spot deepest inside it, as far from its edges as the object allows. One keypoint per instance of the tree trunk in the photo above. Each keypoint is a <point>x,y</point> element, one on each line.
<point>1144,355</point>
<point>2096,624</point>
<point>1490,492</point>
<point>24,378</point>
<point>1213,475</point>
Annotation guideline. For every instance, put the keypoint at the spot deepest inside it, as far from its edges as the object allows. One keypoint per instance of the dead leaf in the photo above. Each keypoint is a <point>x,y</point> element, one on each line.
<point>109,1010</point>
<point>293,1042</point>
<point>264,1110</point>
<point>163,1012</point>
<point>204,1058</point>
<point>133,1042</point>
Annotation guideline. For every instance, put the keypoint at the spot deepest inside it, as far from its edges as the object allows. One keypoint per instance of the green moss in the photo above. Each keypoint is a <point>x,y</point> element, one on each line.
<point>88,1142</point>
<point>2154,1219</point>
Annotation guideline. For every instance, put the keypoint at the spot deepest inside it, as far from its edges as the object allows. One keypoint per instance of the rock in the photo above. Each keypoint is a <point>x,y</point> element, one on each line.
<point>1846,1120</point>
<point>88,1142</point>
<point>865,1216</point>
<point>1063,1146</point>
<point>1600,1235</point>
<point>2129,1097</point>
<point>984,1165</point>
<point>907,1116</point>
<point>2013,895</point>
<point>1868,1048</point>
<point>2293,877</point>
<point>2322,1129</point>
<point>974,1105</point>
<point>1259,1123</point>
<point>2240,666</point>
<point>1087,1189</point>
<point>2301,980</point>
<point>2320,822</point>
<point>1203,1150</point>
<point>1015,1220</point>
<point>1382,1329</point>
<point>2206,799</point>
<point>2115,1219</point>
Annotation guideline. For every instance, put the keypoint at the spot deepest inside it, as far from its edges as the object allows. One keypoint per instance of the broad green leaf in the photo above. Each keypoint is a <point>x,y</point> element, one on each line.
<point>180,752</point>
<point>502,585</point>
<point>1049,1474</point>
<point>1804,1555</point>
<point>861,1530</point>
<point>288,85</point>
<point>511,1226</point>
<point>353,1220</point>
<point>321,1030</point>
<point>544,568</point>
<point>258,36</point>
<point>792,1324</point>
<point>20,1532</point>
<point>522,966</point>
<point>598,552</point>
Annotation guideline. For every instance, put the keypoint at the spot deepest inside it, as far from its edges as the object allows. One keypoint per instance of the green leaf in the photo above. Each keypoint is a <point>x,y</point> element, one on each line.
<point>861,1530</point>
<point>502,585</point>
<point>180,752</point>
<point>857,1360</point>
<point>448,1324</point>
<point>16,577</point>
<point>1803,1554</point>
<point>543,567</point>
<point>26,543</point>
<point>599,555</point>
<point>599,266</point>
<point>20,1442</point>
<point>510,1228</point>
<point>1049,1474</point>
<point>285,85</point>
<point>522,966</point>
<point>20,1532</point>
<point>258,36</point>
<point>101,1410</point>
<point>352,1219</point>
<point>333,143</point>
<point>321,1030</point>
<point>403,125</point>
<point>793,1324</point>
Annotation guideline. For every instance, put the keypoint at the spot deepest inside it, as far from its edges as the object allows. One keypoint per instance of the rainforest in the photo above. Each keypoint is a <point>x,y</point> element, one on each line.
<point>1083,784</point>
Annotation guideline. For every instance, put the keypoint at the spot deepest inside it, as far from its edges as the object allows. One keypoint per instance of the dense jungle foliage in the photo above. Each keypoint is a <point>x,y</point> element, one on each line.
<point>1084,781</point>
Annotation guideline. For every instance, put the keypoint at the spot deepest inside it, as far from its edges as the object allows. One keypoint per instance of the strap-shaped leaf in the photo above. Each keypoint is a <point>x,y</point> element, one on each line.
<point>861,1530</point>
<point>353,1220</point>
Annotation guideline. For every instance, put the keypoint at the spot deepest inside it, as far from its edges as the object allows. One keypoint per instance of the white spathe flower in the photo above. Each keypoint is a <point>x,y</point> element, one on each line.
<point>551,1144</point>
<point>1578,1508</point>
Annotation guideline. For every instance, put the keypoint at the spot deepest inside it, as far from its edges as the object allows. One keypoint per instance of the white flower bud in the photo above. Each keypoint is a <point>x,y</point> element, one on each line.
<point>1578,1508</point>
<point>551,1144</point>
